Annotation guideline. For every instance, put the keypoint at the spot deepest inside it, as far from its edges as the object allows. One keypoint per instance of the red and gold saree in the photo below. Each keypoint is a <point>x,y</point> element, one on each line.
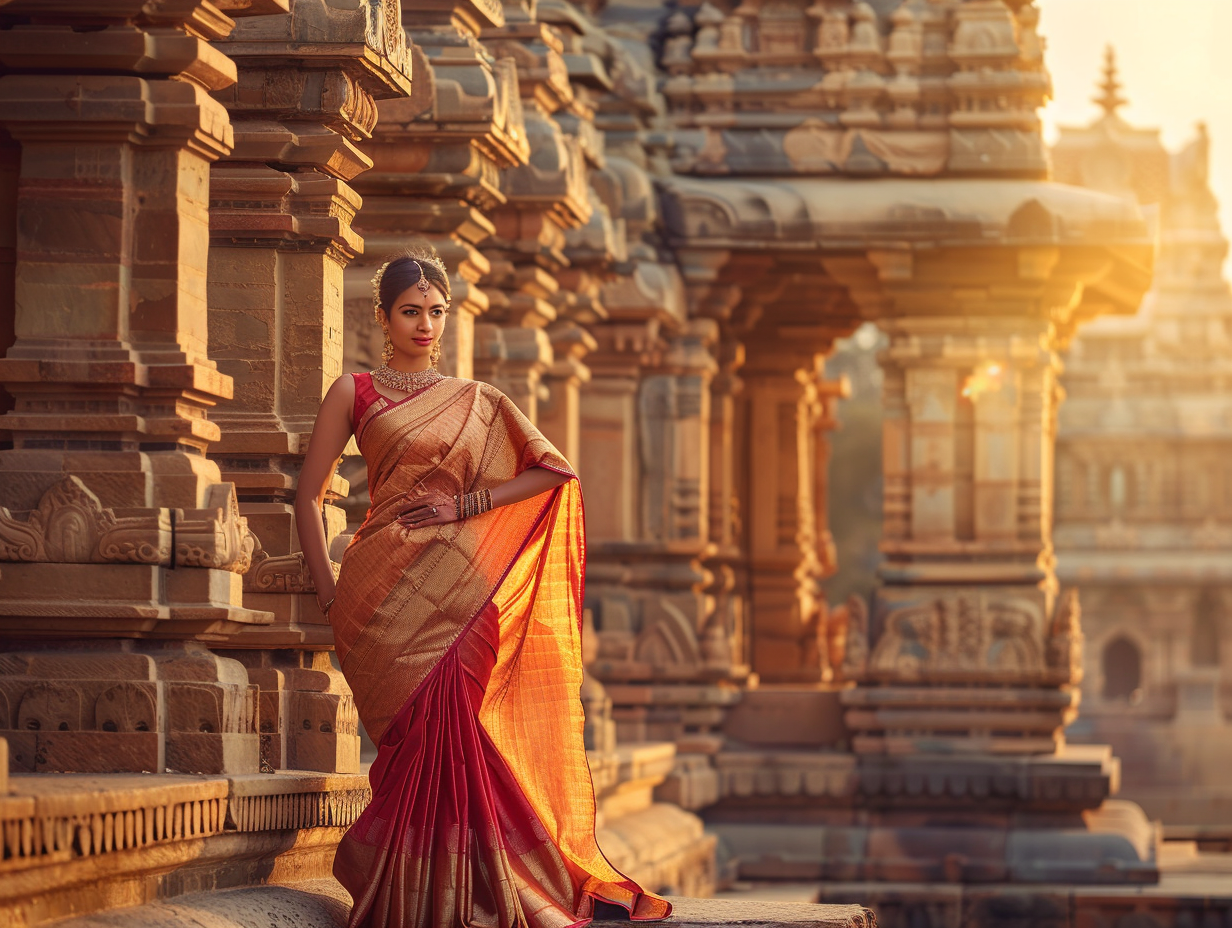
<point>461,643</point>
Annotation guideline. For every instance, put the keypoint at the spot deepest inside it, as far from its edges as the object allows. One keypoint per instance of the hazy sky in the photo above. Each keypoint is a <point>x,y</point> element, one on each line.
<point>1175,63</point>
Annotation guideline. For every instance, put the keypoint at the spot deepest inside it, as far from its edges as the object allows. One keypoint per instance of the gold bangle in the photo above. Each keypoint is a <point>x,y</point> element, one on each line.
<point>472,504</point>
<point>329,605</point>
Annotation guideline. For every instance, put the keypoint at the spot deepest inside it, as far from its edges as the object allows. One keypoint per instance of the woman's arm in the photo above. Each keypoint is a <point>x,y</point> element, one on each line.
<point>438,509</point>
<point>531,482</point>
<point>329,436</point>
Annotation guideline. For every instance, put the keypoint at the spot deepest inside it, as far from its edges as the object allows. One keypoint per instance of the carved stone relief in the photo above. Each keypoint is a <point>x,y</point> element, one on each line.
<point>980,634</point>
<point>71,526</point>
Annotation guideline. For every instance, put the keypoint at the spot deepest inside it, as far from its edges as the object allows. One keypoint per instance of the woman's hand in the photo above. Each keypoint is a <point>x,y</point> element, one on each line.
<point>430,508</point>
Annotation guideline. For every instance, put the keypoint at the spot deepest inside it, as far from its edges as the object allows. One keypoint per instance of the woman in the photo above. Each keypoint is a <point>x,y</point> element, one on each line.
<point>456,618</point>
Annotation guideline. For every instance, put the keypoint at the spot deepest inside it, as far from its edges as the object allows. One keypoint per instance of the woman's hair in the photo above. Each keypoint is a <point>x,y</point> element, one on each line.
<point>405,271</point>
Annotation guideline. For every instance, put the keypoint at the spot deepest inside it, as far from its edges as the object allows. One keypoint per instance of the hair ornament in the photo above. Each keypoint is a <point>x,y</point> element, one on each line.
<point>376,290</point>
<point>423,285</point>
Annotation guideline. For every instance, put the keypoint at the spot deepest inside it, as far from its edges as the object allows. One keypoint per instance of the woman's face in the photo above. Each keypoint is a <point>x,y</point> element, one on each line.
<point>416,321</point>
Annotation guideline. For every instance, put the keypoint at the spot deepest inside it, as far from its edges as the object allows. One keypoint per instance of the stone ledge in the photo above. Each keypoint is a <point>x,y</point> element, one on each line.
<point>703,913</point>
<point>65,819</point>
<point>307,905</point>
<point>322,904</point>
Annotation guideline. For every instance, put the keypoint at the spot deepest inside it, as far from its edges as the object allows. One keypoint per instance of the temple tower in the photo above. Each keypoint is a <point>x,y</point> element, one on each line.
<point>1142,507</point>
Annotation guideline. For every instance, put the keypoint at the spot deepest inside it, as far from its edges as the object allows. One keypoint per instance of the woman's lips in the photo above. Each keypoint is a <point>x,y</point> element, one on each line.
<point>422,341</point>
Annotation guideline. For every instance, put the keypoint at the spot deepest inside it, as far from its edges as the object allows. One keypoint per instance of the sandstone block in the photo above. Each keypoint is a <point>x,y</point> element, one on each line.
<point>86,751</point>
<point>213,752</point>
<point>783,716</point>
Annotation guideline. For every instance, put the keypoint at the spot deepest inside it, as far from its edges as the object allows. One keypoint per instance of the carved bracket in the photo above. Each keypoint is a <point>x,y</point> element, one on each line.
<point>71,526</point>
<point>286,573</point>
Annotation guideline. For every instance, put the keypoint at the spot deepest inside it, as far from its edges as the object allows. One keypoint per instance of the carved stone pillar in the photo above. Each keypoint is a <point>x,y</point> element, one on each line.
<point>559,415</point>
<point>115,525</point>
<point>727,631</point>
<point>608,454</point>
<point>514,359</point>
<point>788,409</point>
<point>969,596</point>
<point>543,199</point>
<point>281,238</point>
<point>645,427</point>
<point>110,291</point>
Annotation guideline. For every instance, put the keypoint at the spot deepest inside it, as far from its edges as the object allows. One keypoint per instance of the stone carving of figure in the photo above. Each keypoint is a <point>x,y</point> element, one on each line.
<point>960,634</point>
<point>708,21</point>
<point>864,35</point>
<point>834,32</point>
<point>781,29</point>
<point>731,35</point>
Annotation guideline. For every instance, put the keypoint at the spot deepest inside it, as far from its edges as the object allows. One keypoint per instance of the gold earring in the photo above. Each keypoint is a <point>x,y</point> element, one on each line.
<point>435,356</point>
<point>387,351</point>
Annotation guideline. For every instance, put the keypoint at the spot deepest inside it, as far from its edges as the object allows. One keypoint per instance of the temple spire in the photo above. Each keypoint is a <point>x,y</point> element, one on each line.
<point>1110,98</point>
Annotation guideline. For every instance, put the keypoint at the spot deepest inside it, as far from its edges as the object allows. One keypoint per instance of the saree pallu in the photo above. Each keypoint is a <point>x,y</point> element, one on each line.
<point>461,643</point>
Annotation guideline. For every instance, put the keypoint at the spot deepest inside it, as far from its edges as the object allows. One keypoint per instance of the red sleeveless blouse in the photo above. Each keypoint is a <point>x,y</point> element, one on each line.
<point>365,395</point>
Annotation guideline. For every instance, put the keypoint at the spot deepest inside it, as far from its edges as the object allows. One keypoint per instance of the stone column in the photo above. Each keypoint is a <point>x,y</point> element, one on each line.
<point>281,237</point>
<point>544,198</point>
<point>559,415</point>
<point>114,523</point>
<point>727,631</point>
<point>645,429</point>
<point>788,408</point>
<point>969,594</point>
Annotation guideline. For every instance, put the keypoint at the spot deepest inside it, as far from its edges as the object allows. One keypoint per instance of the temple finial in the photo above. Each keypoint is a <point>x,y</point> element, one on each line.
<point>1110,98</point>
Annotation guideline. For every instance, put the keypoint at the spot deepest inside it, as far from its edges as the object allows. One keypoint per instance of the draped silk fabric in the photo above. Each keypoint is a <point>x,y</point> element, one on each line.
<point>461,643</point>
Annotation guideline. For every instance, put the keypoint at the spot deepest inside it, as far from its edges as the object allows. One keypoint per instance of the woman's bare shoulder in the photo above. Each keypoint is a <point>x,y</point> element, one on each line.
<point>340,395</point>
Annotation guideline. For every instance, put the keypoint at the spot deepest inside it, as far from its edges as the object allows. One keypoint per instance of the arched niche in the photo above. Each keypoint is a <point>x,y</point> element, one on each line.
<point>1122,669</point>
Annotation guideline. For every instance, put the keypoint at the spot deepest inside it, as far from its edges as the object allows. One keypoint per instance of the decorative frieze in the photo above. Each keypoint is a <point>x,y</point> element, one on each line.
<point>72,819</point>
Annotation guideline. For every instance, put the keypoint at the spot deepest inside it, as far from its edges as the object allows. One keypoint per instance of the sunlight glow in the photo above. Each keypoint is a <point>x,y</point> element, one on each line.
<point>1173,62</point>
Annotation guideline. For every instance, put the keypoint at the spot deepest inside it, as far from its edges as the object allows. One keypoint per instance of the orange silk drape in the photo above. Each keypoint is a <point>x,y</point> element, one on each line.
<point>441,626</point>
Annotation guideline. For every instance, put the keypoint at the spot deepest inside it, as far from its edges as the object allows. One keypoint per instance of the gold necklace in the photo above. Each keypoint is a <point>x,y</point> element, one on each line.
<point>406,381</point>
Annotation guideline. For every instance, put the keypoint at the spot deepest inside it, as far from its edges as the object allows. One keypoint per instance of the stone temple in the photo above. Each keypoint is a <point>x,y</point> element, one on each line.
<point>660,217</point>
<point>1145,487</point>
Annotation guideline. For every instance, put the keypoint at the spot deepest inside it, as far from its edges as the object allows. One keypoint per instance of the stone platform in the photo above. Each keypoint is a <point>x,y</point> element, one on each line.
<point>93,846</point>
<point>1199,898</point>
<point>79,844</point>
<point>320,905</point>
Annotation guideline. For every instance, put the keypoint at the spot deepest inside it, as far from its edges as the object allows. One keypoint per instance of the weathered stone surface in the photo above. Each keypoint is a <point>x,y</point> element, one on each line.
<point>121,708</point>
<point>266,907</point>
<point>121,840</point>
<point>318,905</point>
